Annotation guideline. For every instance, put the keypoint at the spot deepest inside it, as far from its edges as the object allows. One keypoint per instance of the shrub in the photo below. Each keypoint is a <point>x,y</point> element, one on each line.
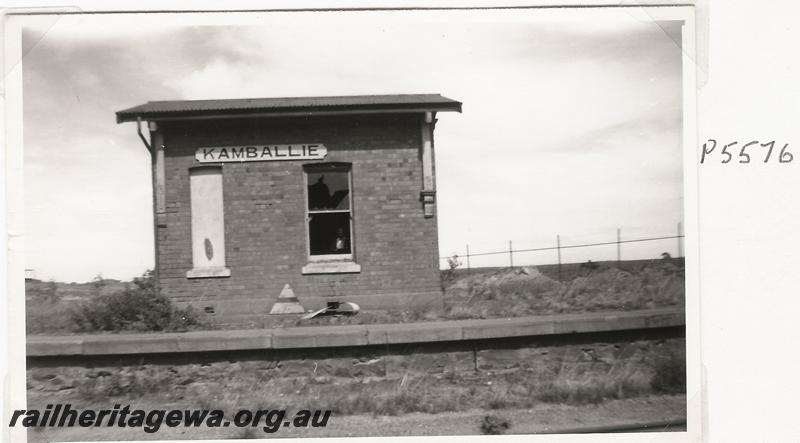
<point>137,308</point>
<point>494,425</point>
<point>670,375</point>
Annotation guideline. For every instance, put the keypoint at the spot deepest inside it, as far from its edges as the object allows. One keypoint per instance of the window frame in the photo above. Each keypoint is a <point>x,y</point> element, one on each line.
<point>323,167</point>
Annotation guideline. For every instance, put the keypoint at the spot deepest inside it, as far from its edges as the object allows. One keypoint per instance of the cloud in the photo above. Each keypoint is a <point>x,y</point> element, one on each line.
<point>568,127</point>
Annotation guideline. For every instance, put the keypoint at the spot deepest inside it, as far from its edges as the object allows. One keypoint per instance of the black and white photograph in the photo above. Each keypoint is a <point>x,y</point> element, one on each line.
<point>357,223</point>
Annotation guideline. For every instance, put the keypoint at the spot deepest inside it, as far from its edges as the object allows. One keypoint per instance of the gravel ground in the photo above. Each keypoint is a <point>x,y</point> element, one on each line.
<point>540,418</point>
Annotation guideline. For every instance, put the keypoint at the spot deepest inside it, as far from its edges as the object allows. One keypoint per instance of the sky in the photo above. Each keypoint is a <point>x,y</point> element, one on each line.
<point>570,126</point>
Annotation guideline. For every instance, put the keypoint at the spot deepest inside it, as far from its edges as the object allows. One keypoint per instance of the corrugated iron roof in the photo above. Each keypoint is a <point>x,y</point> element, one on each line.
<point>154,110</point>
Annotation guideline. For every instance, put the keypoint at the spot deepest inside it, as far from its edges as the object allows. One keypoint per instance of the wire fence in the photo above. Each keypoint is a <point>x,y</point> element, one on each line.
<point>559,247</point>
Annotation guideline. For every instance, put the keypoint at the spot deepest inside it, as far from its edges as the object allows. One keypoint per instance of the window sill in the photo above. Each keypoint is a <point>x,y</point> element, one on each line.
<point>208,273</point>
<point>331,267</point>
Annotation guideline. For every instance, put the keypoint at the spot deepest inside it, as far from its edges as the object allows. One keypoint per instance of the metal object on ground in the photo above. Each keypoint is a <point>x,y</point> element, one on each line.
<point>334,308</point>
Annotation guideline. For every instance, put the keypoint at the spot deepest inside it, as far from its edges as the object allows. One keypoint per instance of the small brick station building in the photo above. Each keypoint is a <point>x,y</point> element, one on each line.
<point>333,196</point>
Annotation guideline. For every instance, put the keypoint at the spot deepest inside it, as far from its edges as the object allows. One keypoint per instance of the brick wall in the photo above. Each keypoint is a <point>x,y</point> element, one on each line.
<point>265,232</point>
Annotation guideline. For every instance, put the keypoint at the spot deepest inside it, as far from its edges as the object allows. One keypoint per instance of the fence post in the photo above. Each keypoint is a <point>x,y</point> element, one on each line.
<point>558,246</point>
<point>468,259</point>
<point>619,247</point>
<point>510,254</point>
<point>680,240</point>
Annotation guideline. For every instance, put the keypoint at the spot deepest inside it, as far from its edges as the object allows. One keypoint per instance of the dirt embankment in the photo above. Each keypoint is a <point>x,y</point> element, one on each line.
<point>492,293</point>
<point>518,292</point>
<point>527,291</point>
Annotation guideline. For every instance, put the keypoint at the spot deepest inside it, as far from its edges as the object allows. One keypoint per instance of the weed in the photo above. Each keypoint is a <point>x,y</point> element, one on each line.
<point>670,375</point>
<point>449,275</point>
<point>574,395</point>
<point>494,425</point>
<point>453,377</point>
<point>461,312</point>
<point>497,401</point>
<point>98,283</point>
<point>135,383</point>
<point>373,399</point>
<point>248,433</point>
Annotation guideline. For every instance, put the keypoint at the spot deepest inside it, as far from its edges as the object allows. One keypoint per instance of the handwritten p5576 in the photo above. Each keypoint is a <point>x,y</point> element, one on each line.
<point>752,151</point>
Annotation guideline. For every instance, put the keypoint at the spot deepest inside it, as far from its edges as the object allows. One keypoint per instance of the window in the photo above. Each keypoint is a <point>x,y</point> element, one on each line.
<point>208,226</point>
<point>329,212</point>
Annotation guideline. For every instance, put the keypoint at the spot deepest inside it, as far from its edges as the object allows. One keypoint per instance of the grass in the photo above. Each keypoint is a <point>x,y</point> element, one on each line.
<point>573,375</point>
<point>43,316</point>
<point>58,308</point>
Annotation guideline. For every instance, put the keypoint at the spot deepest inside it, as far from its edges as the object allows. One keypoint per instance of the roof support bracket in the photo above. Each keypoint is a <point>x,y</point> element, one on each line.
<point>141,135</point>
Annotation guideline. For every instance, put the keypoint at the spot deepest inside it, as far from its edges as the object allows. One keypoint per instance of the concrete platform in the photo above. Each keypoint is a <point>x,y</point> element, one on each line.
<point>310,337</point>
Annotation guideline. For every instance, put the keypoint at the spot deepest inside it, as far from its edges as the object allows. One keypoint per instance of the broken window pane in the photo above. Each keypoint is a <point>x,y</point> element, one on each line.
<point>329,233</point>
<point>328,190</point>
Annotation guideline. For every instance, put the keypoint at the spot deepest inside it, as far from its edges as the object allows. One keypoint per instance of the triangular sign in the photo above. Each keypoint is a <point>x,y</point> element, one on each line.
<point>287,303</point>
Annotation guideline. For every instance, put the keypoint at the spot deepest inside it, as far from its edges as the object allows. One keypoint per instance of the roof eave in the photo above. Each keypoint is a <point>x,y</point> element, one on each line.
<point>131,115</point>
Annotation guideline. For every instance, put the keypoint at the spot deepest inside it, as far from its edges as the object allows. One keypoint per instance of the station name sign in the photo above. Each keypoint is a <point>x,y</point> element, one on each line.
<point>260,153</point>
